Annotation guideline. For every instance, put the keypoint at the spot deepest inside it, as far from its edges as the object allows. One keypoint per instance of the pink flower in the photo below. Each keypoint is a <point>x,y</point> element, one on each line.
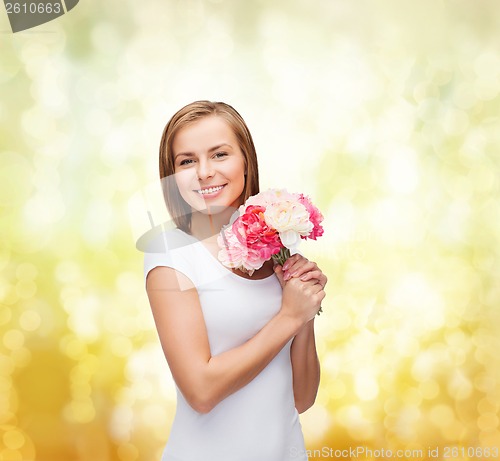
<point>253,232</point>
<point>232,253</point>
<point>315,217</point>
<point>235,255</point>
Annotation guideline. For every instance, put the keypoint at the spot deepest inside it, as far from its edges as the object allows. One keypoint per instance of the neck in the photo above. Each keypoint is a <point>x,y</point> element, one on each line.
<point>205,226</point>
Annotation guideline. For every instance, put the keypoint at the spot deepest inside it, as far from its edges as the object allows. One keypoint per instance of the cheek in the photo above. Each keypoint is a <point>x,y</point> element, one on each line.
<point>237,171</point>
<point>181,178</point>
<point>183,182</point>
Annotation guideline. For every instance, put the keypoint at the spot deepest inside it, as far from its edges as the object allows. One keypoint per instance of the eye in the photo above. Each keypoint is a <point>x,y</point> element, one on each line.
<point>221,154</point>
<point>184,162</point>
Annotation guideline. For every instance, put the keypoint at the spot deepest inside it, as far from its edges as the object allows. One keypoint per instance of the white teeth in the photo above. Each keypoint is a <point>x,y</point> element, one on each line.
<point>211,190</point>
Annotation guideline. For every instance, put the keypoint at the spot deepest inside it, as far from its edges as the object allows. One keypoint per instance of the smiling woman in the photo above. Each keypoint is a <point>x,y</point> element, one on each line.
<point>241,350</point>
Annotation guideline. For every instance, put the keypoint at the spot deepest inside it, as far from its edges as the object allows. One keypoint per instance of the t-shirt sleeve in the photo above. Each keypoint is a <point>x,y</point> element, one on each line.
<point>163,252</point>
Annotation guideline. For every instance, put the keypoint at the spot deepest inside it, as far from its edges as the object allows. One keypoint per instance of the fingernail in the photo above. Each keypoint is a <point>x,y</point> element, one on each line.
<point>303,277</point>
<point>287,276</point>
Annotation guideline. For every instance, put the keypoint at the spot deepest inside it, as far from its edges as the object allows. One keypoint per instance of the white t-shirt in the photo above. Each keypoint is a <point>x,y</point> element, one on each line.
<point>259,422</point>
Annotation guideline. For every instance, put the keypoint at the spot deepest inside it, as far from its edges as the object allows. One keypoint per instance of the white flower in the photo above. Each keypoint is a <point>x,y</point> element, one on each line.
<point>290,219</point>
<point>290,239</point>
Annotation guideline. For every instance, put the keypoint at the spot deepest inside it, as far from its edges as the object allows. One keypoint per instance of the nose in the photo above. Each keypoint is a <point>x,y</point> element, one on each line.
<point>205,170</point>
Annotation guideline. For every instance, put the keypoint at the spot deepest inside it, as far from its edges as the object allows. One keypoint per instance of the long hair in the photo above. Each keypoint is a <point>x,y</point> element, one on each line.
<point>176,205</point>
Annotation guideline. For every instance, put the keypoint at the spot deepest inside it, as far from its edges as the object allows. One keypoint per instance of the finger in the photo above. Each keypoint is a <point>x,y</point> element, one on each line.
<point>315,275</point>
<point>292,260</point>
<point>312,286</point>
<point>300,268</point>
<point>279,273</point>
<point>301,265</point>
<point>305,268</point>
<point>312,274</point>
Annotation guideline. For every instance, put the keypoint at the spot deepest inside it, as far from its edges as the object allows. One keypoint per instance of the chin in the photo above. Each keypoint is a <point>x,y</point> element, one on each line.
<point>217,209</point>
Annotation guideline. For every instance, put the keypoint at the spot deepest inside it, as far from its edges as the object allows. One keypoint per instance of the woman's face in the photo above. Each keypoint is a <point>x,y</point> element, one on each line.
<point>209,165</point>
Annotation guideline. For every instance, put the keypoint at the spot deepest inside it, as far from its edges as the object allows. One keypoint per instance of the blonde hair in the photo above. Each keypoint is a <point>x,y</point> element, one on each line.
<point>176,205</point>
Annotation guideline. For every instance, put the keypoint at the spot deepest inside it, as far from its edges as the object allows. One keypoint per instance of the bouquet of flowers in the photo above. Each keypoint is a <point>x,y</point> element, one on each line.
<point>268,225</point>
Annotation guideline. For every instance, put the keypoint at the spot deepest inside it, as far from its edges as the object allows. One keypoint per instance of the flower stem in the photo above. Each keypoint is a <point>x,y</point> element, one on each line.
<point>282,256</point>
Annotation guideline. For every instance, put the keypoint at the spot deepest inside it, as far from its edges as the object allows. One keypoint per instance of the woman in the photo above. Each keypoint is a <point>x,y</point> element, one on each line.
<point>241,350</point>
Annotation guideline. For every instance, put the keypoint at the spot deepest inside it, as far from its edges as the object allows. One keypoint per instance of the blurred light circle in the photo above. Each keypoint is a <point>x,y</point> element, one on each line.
<point>464,96</point>
<point>13,439</point>
<point>429,389</point>
<point>5,311</point>
<point>430,110</point>
<point>26,271</point>
<point>455,122</point>
<point>459,386</point>
<point>365,384</point>
<point>487,63</point>
<point>30,320</point>
<point>15,444</point>
<point>487,406</point>
<point>44,209</point>
<point>488,421</point>
<point>73,347</point>
<point>487,87</point>
<point>15,179</point>
<point>121,346</point>
<point>68,272</point>
<point>441,415</point>
<point>337,389</point>
<point>316,422</point>
<point>26,289</point>
<point>13,339</point>
<point>21,357</point>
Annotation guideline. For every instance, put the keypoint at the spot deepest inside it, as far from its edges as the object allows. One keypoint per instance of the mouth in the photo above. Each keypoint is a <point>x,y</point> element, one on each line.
<point>210,191</point>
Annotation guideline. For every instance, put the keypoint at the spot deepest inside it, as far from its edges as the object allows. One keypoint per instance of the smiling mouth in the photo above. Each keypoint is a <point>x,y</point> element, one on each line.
<point>210,190</point>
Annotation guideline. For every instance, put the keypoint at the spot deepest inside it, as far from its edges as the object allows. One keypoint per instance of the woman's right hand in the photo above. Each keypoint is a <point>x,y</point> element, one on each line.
<point>301,299</point>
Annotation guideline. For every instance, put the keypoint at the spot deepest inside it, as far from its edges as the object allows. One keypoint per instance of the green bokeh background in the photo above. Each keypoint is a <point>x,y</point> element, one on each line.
<point>385,112</point>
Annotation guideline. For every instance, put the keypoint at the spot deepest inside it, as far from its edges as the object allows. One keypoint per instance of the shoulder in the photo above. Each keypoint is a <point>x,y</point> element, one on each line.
<point>160,240</point>
<point>165,280</point>
<point>169,252</point>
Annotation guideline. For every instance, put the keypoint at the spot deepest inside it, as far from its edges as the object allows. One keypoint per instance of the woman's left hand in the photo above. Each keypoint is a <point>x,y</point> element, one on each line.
<point>299,266</point>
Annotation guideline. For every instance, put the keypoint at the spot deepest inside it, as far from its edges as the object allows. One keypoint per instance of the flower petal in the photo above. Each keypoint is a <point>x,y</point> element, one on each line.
<point>290,239</point>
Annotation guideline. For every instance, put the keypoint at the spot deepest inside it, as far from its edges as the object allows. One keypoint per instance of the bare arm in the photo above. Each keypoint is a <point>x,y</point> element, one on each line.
<point>305,362</point>
<point>306,368</point>
<point>205,380</point>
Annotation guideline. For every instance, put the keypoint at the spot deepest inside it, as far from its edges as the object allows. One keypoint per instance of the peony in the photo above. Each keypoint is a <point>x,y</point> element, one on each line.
<point>235,255</point>
<point>314,215</point>
<point>291,220</point>
<point>232,253</point>
<point>253,231</point>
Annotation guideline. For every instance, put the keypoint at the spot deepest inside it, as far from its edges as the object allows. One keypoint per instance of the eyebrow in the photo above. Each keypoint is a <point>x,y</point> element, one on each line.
<point>191,154</point>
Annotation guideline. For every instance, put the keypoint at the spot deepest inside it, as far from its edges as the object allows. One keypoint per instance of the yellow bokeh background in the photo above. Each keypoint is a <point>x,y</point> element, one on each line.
<point>386,113</point>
